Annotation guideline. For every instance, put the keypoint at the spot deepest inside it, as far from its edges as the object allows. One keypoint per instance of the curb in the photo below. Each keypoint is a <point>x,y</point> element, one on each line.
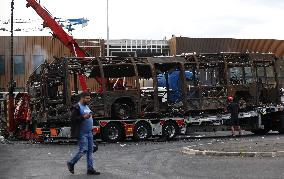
<point>189,151</point>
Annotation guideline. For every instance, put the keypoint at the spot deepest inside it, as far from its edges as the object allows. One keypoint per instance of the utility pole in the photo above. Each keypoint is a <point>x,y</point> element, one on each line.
<point>107,32</point>
<point>12,83</point>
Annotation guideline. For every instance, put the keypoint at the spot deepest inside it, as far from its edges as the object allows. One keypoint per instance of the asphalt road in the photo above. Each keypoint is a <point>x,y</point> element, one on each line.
<point>149,159</point>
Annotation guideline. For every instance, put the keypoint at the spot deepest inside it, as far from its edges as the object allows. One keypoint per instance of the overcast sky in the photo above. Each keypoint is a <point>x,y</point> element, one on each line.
<point>155,19</point>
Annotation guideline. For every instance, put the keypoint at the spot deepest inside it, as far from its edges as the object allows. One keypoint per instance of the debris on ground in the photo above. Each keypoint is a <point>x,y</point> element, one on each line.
<point>122,145</point>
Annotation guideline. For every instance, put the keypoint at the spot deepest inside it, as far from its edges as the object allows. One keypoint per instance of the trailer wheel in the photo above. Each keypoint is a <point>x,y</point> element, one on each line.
<point>260,131</point>
<point>112,132</point>
<point>170,130</point>
<point>142,131</point>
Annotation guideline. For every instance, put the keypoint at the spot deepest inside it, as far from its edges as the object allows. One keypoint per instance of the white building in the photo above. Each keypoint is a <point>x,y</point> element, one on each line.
<point>139,48</point>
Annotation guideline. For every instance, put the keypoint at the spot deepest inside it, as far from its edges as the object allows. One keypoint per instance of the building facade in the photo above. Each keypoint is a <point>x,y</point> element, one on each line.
<point>179,45</point>
<point>138,48</point>
<point>31,51</point>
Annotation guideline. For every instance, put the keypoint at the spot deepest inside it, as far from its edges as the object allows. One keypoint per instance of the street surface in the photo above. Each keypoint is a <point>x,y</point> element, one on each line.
<point>151,159</point>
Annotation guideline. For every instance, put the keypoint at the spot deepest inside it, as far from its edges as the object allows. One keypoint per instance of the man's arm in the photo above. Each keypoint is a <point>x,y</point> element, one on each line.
<point>76,116</point>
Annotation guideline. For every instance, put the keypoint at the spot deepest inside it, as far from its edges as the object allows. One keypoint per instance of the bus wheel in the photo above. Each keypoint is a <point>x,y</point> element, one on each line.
<point>112,132</point>
<point>170,130</point>
<point>142,131</point>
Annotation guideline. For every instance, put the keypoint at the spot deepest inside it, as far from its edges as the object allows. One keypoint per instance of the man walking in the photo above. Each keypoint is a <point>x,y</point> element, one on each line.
<point>81,127</point>
<point>233,108</point>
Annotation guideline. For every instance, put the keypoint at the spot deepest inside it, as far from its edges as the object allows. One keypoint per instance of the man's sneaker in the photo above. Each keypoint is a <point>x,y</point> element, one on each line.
<point>70,167</point>
<point>93,172</point>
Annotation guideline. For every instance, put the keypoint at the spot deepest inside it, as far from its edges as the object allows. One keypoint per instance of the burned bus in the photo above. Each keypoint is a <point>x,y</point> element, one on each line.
<point>142,97</point>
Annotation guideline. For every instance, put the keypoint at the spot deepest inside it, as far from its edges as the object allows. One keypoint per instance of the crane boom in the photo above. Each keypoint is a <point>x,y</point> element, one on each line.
<point>60,34</point>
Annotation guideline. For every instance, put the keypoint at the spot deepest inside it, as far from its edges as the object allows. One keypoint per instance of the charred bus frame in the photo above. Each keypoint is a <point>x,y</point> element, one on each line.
<point>248,77</point>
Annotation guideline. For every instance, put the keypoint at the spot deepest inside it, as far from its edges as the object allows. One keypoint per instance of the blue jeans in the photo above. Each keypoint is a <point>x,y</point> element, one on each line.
<point>85,143</point>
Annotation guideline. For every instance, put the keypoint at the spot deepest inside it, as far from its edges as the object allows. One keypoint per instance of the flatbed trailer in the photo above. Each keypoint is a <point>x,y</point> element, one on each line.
<point>259,121</point>
<point>115,131</point>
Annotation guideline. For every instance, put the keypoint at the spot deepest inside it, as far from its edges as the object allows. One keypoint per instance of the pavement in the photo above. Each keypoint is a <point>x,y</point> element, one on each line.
<point>261,146</point>
<point>248,144</point>
<point>150,159</point>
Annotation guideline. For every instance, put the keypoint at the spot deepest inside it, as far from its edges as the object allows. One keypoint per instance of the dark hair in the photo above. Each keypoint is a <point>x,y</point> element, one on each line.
<point>84,94</point>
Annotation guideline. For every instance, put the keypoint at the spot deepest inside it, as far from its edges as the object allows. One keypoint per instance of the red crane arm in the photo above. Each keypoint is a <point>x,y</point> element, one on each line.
<point>60,34</point>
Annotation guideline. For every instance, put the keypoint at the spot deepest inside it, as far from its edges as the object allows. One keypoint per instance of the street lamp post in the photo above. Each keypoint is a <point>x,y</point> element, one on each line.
<point>12,84</point>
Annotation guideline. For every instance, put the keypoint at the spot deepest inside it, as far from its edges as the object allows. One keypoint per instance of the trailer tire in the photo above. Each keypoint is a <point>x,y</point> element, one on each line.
<point>142,131</point>
<point>260,131</point>
<point>170,130</point>
<point>112,132</point>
